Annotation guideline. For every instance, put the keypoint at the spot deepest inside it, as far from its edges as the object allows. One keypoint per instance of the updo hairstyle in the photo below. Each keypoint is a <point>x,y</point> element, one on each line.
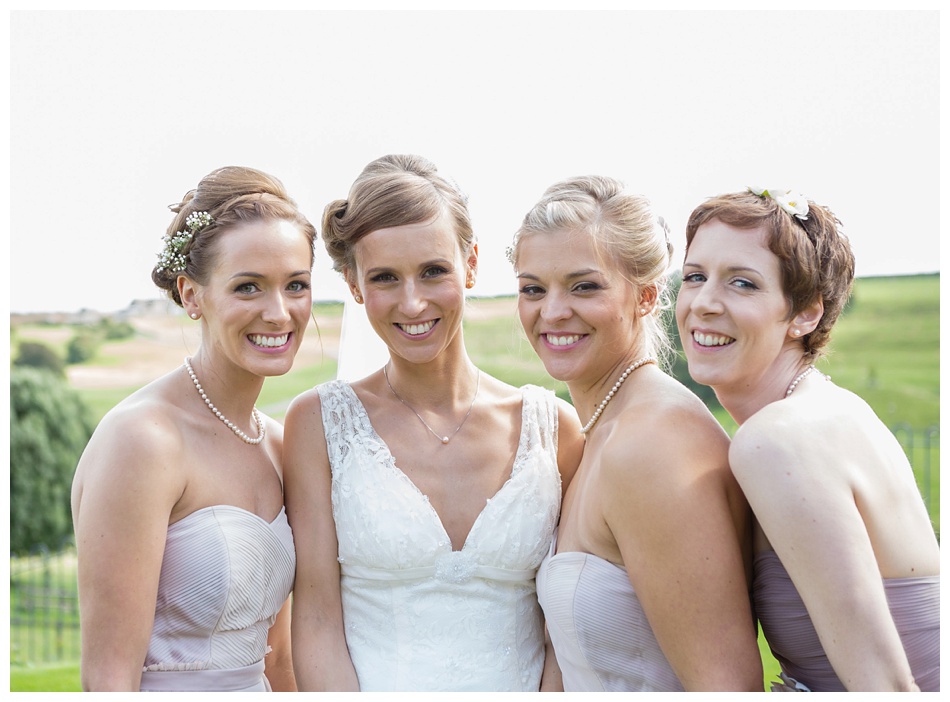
<point>232,195</point>
<point>628,236</point>
<point>814,255</point>
<point>392,191</point>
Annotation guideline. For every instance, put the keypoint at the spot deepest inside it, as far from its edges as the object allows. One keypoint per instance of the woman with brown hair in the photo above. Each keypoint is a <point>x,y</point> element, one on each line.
<point>847,567</point>
<point>186,558</point>
<point>423,496</point>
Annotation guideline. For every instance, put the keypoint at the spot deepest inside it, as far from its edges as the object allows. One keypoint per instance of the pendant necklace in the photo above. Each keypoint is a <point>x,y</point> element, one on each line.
<point>613,391</point>
<point>443,439</point>
<point>214,410</point>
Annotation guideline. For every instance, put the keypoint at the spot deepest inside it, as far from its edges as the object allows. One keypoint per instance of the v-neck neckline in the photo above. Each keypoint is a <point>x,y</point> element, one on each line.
<point>401,474</point>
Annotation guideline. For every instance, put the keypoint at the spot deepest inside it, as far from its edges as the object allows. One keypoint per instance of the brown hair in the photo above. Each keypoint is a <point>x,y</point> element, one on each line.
<point>392,191</point>
<point>232,195</point>
<point>814,255</point>
<point>626,231</point>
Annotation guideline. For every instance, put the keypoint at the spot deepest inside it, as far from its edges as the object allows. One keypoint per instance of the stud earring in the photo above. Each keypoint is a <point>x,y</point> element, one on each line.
<point>797,332</point>
<point>358,298</point>
<point>194,315</point>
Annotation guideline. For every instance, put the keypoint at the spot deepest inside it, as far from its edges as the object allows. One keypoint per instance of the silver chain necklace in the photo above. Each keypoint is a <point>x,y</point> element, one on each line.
<point>443,439</point>
<point>230,425</point>
<point>613,391</point>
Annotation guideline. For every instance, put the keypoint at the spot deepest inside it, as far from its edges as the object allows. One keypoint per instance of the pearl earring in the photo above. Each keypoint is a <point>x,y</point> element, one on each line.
<point>194,315</point>
<point>797,332</point>
<point>358,298</point>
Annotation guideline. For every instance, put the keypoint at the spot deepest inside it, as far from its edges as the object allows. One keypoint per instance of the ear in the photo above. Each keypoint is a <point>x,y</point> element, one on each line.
<point>648,299</point>
<point>805,321</point>
<point>349,276</point>
<point>188,292</point>
<point>471,264</point>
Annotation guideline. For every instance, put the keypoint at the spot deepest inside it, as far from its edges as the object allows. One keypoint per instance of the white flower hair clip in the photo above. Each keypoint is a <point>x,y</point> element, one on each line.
<point>171,258</point>
<point>794,203</point>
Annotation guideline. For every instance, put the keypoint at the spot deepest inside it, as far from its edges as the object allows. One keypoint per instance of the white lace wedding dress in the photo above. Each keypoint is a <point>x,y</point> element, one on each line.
<point>418,615</point>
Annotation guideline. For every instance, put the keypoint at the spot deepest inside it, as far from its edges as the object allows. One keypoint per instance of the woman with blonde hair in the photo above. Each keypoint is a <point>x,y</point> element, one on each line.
<point>646,586</point>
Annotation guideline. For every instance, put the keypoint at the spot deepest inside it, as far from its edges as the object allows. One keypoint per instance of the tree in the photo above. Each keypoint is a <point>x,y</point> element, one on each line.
<point>82,347</point>
<point>36,355</point>
<point>49,428</point>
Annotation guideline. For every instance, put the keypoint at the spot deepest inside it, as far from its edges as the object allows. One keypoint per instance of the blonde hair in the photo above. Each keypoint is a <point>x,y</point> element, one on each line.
<point>628,235</point>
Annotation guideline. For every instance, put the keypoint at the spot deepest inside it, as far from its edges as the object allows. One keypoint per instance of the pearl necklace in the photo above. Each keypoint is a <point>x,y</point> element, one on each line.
<point>613,391</point>
<point>257,415</point>
<point>801,376</point>
<point>443,439</point>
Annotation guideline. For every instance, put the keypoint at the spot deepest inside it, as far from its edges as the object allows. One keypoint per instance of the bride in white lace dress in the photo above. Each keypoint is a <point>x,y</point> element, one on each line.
<point>423,497</point>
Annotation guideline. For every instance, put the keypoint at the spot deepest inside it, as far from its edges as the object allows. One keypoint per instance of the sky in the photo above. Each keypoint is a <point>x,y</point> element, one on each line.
<point>115,115</point>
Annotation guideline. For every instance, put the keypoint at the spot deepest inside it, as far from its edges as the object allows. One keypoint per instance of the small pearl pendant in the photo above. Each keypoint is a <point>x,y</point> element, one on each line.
<point>445,439</point>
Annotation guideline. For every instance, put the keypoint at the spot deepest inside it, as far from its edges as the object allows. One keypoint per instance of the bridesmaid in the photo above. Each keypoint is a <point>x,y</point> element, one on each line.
<point>847,567</point>
<point>647,588</point>
<point>185,553</point>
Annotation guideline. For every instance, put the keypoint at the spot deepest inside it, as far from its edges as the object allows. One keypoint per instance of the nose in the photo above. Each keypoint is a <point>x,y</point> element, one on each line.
<point>554,307</point>
<point>411,301</point>
<point>704,299</point>
<point>276,310</point>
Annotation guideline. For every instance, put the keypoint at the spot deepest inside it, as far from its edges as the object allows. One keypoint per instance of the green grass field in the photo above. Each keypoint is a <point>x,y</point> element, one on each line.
<point>885,348</point>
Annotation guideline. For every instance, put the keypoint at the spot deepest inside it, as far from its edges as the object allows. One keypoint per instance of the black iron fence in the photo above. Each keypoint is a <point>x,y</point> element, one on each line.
<point>44,606</point>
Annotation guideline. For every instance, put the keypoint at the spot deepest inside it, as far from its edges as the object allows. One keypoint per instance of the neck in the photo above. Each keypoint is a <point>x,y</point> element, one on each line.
<point>233,390</point>
<point>748,395</point>
<point>441,383</point>
<point>589,397</point>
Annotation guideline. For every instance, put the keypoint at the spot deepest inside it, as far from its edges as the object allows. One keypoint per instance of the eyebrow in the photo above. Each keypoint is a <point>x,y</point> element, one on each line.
<point>567,276</point>
<point>252,274</point>
<point>730,269</point>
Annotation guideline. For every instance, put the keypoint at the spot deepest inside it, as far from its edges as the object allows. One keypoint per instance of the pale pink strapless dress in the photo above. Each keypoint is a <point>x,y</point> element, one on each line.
<point>225,575</point>
<point>600,633</point>
<point>914,603</point>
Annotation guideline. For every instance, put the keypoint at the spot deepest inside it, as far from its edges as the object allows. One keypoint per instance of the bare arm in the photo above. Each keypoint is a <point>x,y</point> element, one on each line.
<point>805,505</point>
<point>570,443</point>
<point>125,488</point>
<point>278,663</point>
<point>671,507</point>
<point>321,658</point>
<point>551,680</point>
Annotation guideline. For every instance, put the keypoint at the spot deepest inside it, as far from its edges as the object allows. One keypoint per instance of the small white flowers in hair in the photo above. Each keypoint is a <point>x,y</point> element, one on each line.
<point>792,202</point>
<point>171,257</point>
<point>197,220</point>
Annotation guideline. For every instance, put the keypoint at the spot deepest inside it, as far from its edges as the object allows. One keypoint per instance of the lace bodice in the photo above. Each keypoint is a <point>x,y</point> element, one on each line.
<point>225,575</point>
<point>418,615</point>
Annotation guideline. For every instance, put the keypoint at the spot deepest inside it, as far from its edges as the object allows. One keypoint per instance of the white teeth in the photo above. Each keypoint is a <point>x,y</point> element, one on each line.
<point>711,339</point>
<point>416,329</point>
<point>562,340</point>
<point>269,341</point>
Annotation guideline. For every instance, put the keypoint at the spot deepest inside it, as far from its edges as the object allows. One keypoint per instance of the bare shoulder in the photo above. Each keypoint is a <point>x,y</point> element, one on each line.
<point>666,432</point>
<point>135,456</point>
<point>141,432</point>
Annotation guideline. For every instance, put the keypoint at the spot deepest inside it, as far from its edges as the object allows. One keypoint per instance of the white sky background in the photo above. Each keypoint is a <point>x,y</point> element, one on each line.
<point>115,115</point>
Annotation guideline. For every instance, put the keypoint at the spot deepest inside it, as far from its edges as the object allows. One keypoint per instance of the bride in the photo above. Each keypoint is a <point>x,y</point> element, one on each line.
<point>422,497</point>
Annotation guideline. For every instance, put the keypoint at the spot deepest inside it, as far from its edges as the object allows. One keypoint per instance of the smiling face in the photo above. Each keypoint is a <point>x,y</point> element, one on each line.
<point>412,279</point>
<point>577,312</point>
<point>256,301</point>
<point>731,311</point>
